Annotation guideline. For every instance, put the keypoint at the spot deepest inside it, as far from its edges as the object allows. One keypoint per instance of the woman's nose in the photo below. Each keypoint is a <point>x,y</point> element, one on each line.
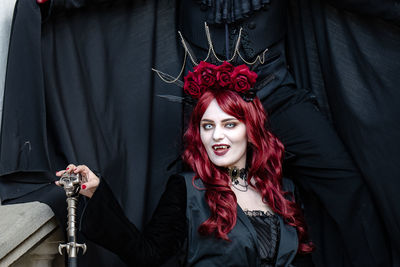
<point>218,133</point>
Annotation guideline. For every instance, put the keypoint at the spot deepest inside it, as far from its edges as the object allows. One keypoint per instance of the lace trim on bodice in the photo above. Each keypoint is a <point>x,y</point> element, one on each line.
<point>267,227</point>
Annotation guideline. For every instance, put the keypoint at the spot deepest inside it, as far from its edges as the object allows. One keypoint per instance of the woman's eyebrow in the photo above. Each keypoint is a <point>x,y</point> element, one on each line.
<point>224,120</point>
<point>229,119</point>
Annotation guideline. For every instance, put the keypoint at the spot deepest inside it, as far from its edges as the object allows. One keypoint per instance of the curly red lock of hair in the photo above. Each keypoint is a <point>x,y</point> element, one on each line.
<point>264,159</point>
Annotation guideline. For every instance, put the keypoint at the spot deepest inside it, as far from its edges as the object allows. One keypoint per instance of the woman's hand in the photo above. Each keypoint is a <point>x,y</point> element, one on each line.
<point>89,180</point>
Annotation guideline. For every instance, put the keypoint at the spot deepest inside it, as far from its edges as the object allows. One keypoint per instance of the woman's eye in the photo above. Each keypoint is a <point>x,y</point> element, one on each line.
<point>207,126</point>
<point>230,125</point>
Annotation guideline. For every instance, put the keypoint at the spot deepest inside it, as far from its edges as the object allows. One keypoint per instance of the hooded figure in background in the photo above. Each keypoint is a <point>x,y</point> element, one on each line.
<point>83,91</point>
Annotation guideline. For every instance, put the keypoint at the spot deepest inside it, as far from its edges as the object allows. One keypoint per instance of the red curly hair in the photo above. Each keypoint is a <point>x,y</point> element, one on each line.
<point>264,159</point>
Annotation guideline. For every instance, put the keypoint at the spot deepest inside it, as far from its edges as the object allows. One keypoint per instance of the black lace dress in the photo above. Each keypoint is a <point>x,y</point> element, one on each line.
<point>267,228</point>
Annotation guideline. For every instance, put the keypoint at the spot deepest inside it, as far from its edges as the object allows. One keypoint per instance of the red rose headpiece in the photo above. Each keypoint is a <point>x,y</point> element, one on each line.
<point>206,76</point>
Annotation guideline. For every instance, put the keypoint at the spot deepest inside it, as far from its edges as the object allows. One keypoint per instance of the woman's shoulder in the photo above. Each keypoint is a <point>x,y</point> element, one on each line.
<point>194,188</point>
<point>176,184</point>
<point>185,178</point>
<point>182,176</point>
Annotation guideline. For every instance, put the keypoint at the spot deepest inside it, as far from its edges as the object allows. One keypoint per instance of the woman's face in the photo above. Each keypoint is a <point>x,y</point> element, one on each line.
<point>224,137</point>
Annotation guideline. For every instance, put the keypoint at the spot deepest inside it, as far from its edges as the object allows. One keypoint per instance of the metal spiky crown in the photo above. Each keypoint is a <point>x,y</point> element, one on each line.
<point>206,76</point>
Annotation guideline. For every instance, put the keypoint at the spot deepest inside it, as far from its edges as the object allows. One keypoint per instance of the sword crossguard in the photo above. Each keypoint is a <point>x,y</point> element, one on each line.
<point>61,247</point>
<point>71,245</point>
<point>82,246</point>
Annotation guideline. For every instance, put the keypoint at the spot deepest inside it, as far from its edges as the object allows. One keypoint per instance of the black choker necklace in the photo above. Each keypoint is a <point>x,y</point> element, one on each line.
<point>236,175</point>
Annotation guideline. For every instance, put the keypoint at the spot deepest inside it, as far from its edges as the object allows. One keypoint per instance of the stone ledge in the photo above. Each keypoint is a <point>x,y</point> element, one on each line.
<point>23,227</point>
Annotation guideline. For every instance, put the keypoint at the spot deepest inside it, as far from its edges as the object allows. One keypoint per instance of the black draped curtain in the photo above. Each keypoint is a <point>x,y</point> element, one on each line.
<point>80,89</point>
<point>350,59</point>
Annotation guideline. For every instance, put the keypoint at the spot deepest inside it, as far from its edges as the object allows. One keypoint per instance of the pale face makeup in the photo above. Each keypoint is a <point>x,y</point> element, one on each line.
<point>224,137</point>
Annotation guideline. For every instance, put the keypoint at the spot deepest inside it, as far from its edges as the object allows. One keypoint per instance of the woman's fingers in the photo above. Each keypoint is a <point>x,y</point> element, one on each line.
<point>92,183</point>
<point>89,180</point>
<point>60,173</point>
<point>84,171</point>
<point>70,168</point>
<point>88,189</point>
<point>81,168</point>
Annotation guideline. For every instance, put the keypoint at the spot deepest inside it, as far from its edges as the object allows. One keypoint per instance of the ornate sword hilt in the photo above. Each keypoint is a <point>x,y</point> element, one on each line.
<point>71,184</point>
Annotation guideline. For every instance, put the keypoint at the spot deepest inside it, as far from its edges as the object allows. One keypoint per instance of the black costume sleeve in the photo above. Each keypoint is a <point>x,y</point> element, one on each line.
<point>105,223</point>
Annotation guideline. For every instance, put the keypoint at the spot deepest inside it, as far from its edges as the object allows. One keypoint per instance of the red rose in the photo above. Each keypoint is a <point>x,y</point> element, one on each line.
<point>224,72</point>
<point>241,84</point>
<point>204,65</point>
<point>192,86</point>
<point>206,72</point>
<point>243,79</point>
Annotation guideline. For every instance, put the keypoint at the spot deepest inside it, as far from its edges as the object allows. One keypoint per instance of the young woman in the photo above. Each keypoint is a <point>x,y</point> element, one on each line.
<point>234,209</point>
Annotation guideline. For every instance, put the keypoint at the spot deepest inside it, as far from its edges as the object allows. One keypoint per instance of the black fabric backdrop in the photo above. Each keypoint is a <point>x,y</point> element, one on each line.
<point>79,88</point>
<point>351,61</point>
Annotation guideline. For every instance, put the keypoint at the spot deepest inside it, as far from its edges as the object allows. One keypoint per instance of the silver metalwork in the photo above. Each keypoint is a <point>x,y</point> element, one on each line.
<point>71,184</point>
<point>236,175</point>
<point>260,59</point>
